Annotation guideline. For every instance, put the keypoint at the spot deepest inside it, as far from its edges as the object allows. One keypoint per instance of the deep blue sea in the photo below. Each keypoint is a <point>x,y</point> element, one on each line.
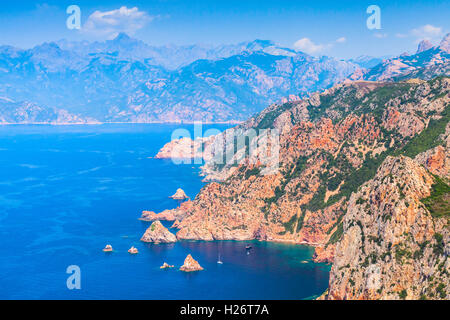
<point>67,191</point>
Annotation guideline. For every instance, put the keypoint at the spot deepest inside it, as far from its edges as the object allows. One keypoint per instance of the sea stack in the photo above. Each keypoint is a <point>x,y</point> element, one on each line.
<point>179,195</point>
<point>157,233</point>
<point>133,250</point>
<point>190,265</point>
<point>108,248</point>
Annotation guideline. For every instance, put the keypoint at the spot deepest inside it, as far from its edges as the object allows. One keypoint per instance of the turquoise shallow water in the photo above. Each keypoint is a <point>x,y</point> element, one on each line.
<point>66,191</point>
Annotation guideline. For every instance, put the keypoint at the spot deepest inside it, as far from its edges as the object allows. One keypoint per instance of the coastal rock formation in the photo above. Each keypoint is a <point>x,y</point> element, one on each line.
<point>166,266</point>
<point>186,148</point>
<point>330,144</point>
<point>190,265</point>
<point>362,175</point>
<point>393,246</point>
<point>169,215</point>
<point>157,233</point>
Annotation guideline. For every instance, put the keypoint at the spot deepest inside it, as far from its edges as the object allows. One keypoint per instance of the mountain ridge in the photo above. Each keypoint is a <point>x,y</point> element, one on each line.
<point>121,80</point>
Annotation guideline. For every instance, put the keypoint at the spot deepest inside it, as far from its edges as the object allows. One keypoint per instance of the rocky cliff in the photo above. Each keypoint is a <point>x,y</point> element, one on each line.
<point>362,174</point>
<point>394,244</point>
<point>330,145</point>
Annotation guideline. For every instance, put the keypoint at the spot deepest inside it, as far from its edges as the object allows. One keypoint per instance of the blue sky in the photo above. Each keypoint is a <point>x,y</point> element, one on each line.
<point>336,28</point>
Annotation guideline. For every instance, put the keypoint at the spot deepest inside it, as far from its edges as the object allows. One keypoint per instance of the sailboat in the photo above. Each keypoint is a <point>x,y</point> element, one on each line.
<point>219,261</point>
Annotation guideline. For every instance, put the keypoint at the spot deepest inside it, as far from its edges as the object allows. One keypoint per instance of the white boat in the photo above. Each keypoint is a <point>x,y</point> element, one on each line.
<point>219,261</point>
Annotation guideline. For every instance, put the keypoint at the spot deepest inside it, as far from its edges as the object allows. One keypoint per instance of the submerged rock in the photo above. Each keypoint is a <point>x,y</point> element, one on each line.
<point>133,250</point>
<point>190,264</point>
<point>157,233</point>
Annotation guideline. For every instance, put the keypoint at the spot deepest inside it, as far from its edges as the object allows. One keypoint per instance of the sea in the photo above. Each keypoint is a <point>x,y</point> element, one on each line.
<point>67,191</point>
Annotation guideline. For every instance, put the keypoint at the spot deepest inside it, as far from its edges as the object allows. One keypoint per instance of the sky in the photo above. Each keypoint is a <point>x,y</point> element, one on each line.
<point>333,28</point>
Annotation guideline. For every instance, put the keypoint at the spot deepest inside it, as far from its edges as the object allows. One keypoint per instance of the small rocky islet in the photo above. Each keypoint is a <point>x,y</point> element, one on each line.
<point>156,233</point>
<point>190,264</point>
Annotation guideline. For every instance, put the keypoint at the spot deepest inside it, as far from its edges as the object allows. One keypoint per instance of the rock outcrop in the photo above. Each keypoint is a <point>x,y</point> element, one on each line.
<point>186,148</point>
<point>168,215</point>
<point>175,225</point>
<point>190,265</point>
<point>392,246</point>
<point>157,233</point>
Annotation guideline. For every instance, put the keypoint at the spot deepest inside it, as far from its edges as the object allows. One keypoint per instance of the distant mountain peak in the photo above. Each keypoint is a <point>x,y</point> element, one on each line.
<point>49,46</point>
<point>269,47</point>
<point>424,45</point>
<point>258,45</point>
<point>122,36</point>
<point>261,43</point>
<point>124,40</point>
<point>445,43</point>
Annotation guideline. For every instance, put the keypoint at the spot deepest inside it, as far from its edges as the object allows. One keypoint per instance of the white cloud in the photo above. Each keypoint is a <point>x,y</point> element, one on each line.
<point>110,23</point>
<point>425,32</point>
<point>308,46</point>
<point>428,32</point>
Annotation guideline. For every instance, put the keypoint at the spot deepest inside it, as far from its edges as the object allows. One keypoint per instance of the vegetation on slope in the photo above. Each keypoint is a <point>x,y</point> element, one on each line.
<point>438,203</point>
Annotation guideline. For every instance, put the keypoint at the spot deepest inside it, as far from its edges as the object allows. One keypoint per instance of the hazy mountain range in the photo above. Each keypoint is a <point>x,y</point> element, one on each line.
<point>127,80</point>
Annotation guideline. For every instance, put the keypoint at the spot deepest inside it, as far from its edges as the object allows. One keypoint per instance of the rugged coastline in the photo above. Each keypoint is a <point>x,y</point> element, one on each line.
<point>300,205</point>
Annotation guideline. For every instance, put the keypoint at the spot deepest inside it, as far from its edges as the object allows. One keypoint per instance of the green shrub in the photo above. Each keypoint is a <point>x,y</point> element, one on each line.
<point>438,203</point>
